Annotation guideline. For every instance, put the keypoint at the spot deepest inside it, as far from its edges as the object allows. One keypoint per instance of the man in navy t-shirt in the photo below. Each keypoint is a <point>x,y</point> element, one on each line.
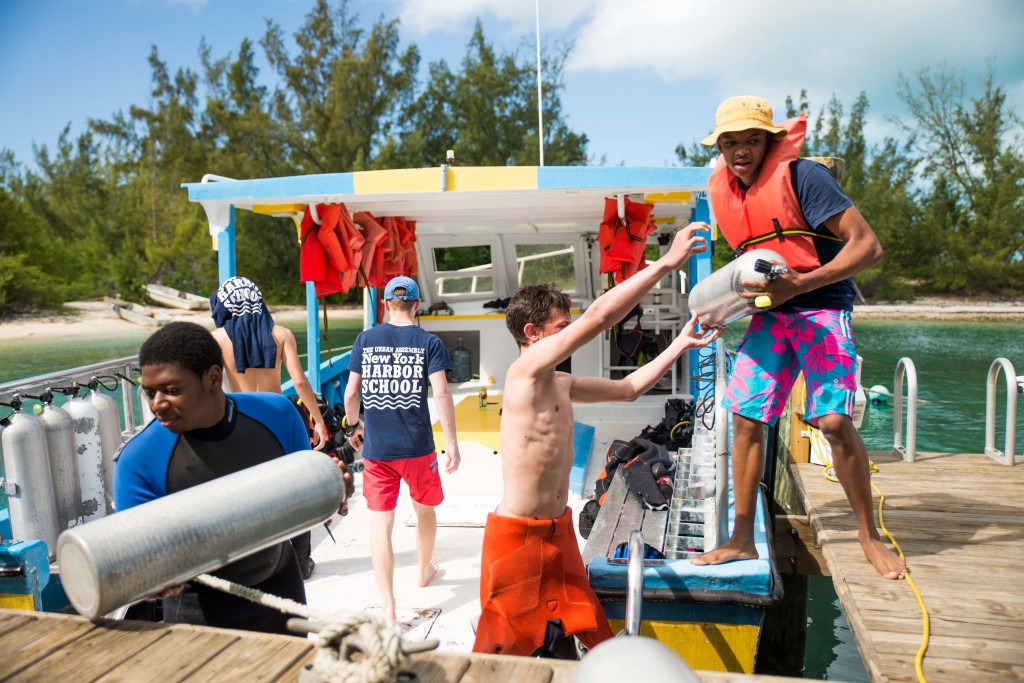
<point>764,196</point>
<point>390,369</point>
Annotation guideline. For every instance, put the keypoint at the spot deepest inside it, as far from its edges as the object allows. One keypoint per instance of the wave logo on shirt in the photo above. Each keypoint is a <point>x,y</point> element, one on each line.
<point>392,378</point>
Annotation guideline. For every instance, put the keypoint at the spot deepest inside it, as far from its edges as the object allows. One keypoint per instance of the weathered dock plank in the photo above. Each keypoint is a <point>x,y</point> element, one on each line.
<point>957,518</point>
<point>55,647</point>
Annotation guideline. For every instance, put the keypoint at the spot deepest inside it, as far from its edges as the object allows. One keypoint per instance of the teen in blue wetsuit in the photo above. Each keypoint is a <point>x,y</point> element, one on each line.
<point>199,433</point>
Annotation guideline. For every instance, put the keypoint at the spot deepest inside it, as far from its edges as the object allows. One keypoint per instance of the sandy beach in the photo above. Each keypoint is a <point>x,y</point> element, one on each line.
<point>91,318</point>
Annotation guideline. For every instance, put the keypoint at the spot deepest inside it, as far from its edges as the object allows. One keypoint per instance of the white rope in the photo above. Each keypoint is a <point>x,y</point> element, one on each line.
<point>379,640</point>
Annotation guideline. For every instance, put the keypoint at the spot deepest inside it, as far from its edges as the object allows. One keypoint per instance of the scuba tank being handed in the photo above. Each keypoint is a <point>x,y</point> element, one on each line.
<point>27,481</point>
<point>716,299</point>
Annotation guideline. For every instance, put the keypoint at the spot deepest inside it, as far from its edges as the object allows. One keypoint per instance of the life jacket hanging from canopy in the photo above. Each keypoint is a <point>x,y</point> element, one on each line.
<point>623,240</point>
<point>768,213</point>
<point>373,256</point>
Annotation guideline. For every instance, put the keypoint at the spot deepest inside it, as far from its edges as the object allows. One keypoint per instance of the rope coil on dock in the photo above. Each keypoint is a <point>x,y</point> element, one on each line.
<point>379,640</point>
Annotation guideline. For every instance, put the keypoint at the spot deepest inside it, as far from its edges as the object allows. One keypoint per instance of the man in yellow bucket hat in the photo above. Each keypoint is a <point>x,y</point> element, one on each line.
<point>763,195</point>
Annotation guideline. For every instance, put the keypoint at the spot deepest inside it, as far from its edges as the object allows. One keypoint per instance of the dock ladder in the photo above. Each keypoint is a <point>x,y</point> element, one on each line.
<point>1005,456</point>
<point>905,368</point>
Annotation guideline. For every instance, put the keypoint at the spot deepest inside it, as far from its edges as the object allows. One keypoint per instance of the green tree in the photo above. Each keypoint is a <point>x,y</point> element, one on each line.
<point>973,154</point>
<point>487,114</point>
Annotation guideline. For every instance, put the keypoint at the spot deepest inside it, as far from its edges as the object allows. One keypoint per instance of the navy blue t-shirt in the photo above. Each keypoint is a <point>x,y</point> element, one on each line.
<point>395,363</point>
<point>820,198</point>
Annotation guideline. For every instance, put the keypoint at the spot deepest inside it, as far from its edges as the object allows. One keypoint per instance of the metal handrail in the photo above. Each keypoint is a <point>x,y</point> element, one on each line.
<point>634,583</point>
<point>905,366</point>
<point>1006,456</point>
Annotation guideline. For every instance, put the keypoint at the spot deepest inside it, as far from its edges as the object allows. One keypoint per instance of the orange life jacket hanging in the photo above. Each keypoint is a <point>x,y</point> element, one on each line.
<point>622,241</point>
<point>768,213</point>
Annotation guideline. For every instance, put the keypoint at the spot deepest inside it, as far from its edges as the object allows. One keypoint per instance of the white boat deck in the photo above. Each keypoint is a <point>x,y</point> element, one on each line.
<point>343,580</point>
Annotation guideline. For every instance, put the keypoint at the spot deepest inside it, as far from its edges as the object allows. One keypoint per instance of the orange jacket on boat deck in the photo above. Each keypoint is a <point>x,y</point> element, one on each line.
<point>623,240</point>
<point>373,256</point>
<point>768,214</point>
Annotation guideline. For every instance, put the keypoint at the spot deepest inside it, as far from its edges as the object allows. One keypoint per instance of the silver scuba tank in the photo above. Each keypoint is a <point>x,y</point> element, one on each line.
<point>60,446</point>
<point>90,455</point>
<point>27,481</point>
<point>138,552</point>
<point>716,300</point>
<point>110,437</point>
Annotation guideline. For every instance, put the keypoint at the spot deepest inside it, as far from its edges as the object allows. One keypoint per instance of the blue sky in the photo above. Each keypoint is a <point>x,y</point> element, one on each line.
<point>642,77</point>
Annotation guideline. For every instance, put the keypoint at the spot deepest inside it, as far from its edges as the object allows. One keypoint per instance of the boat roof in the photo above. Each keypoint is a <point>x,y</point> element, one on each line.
<point>448,198</point>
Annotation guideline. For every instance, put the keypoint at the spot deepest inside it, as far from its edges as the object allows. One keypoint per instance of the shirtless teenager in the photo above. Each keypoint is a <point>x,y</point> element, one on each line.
<point>534,591</point>
<point>254,349</point>
<point>238,307</point>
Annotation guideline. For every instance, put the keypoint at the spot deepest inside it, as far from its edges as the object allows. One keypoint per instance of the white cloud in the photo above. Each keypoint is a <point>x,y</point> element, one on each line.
<point>749,46</point>
<point>517,16</point>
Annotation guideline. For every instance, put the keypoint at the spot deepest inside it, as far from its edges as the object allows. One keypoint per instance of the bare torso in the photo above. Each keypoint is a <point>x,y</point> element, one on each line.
<point>253,379</point>
<point>536,444</point>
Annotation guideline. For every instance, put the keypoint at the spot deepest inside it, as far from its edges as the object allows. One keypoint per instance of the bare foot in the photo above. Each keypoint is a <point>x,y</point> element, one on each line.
<point>727,552</point>
<point>887,563</point>
<point>389,612</point>
<point>429,573</point>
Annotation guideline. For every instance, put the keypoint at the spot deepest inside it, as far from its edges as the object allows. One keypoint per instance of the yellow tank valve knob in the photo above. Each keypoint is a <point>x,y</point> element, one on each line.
<point>763,301</point>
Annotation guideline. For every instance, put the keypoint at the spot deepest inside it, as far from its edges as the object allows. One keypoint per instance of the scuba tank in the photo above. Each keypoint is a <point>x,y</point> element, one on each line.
<point>60,446</point>
<point>90,455</point>
<point>110,436</point>
<point>462,363</point>
<point>716,300</point>
<point>27,482</point>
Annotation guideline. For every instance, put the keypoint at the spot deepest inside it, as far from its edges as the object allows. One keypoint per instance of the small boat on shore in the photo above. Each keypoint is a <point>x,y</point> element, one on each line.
<point>140,315</point>
<point>176,298</point>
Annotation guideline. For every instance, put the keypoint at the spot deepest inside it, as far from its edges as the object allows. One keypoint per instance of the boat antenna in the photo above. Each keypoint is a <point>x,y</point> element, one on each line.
<point>540,92</point>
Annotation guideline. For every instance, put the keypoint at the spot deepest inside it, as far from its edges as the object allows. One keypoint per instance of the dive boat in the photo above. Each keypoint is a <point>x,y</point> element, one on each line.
<point>176,298</point>
<point>472,236</point>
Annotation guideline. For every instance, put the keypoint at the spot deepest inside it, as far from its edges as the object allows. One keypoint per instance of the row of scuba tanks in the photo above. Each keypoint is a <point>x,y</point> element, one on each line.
<point>58,461</point>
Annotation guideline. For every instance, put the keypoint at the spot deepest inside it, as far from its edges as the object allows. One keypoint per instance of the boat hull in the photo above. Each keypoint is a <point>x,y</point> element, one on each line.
<point>176,298</point>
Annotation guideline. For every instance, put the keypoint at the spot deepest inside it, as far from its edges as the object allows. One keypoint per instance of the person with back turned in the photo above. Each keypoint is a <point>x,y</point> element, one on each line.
<point>534,592</point>
<point>390,369</point>
<point>764,196</point>
<point>254,349</point>
<point>199,434</point>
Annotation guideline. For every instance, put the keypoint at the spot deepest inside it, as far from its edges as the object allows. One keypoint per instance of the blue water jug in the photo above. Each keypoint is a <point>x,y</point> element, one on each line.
<point>462,363</point>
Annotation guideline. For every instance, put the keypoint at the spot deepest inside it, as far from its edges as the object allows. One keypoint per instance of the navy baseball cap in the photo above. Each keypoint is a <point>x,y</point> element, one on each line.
<point>412,291</point>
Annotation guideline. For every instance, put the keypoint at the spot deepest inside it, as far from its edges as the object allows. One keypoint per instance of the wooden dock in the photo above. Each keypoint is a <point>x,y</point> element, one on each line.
<point>39,646</point>
<point>960,522</point>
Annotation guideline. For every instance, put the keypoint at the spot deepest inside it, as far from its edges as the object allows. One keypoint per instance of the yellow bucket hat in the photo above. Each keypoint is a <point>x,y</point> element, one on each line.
<point>743,112</point>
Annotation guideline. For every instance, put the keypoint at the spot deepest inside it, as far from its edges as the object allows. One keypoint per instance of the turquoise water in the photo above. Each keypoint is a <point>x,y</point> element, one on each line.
<point>952,361</point>
<point>34,356</point>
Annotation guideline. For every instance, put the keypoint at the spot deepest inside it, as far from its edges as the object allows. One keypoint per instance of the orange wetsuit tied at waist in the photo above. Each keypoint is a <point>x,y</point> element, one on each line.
<point>532,573</point>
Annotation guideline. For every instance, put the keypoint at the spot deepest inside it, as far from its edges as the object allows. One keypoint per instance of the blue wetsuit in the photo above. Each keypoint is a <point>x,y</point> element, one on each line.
<point>257,427</point>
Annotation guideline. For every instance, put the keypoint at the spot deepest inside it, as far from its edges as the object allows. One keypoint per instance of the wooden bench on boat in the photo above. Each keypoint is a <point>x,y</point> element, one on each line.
<point>710,615</point>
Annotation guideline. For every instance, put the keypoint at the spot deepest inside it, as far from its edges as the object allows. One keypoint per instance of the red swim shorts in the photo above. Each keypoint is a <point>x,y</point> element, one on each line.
<point>381,479</point>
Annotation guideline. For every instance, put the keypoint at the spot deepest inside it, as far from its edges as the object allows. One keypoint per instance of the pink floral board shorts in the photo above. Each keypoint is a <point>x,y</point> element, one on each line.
<point>776,347</point>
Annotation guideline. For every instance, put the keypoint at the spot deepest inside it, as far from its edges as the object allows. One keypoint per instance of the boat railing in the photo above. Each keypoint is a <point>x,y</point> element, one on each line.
<point>120,369</point>
<point>905,368</point>
<point>1006,456</point>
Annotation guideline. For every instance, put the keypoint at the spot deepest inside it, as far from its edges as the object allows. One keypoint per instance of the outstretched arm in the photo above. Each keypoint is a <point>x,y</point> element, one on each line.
<point>640,381</point>
<point>446,415</point>
<point>304,389</point>
<point>613,305</point>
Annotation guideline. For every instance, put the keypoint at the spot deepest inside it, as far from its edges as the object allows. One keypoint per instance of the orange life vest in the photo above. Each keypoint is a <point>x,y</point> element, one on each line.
<point>768,214</point>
